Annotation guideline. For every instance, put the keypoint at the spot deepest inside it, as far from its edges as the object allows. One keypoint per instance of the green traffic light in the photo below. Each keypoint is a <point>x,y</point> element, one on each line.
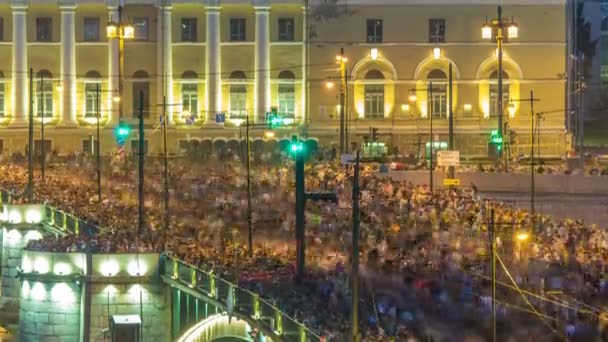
<point>297,147</point>
<point>123,131</point>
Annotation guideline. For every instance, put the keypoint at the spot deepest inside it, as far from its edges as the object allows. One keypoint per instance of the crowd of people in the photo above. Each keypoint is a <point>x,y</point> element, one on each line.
<point>424,254</point>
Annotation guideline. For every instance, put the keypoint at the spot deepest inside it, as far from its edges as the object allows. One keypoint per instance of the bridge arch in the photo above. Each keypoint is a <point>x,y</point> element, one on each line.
<point>218,326</point>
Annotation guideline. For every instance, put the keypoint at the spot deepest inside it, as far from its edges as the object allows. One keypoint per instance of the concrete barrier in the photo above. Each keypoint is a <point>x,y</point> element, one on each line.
<point>513,182</point>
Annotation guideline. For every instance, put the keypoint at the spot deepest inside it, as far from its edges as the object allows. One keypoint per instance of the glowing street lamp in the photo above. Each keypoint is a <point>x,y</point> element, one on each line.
<point>437,52</point>
<point>522,236</point>
<point>374,54</point>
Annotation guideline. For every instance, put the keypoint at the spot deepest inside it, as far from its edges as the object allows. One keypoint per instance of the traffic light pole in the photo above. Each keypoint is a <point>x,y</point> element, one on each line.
<point>300,202</point>
<point>249,223</point>
<point>42,128</point>
<point>354,321</point>
<point>342,102</point>
<point>30,143</point>
<point>432,140</point>
<point>140,221</point>
<point>165,165</point>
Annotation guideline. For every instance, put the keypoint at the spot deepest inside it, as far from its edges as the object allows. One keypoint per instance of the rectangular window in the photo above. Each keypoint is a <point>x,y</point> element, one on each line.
<point>44,29</point>
<point>494,105</point>
<point>189,30</point>
<point>437,30</point>
<point>1,29</point>
<point>141,28</point>
<point>374,101</point>
<point>374,30</point>
<point>1,100</point>
<point>287,100</point>
<point>90,93</point>
<point>44,99</point>
<point>91,29</point>
<point>135,146</point>
<point>237,30</point>
<point>190,98</point>
<point>286,29</point>
<point>439,104</point>
<point>145,88</point>
<point>238,101</point>
<point>48,145</point>
<point>90,146</point>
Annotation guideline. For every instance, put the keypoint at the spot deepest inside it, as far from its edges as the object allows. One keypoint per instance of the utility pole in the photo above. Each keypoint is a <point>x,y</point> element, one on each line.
<point>354,321</point>
<point>140,221</point>
<point>499,38</point>
<point>342,61</point>
<point>165,165</point>
<point>249,222</point>
<point>30,144</point>
<point>98,155</point>
<point>42,128</point>
<point>450,119</point>
<point>432,140</point>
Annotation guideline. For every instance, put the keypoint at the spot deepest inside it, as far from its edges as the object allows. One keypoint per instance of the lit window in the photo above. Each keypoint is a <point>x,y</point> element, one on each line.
<point>190,98</point>
<point>494,103</point>
<point>44,96</point>
<point>238,101</point>
<point>374,101</point>
<point>90,93</point>
<point>438,99</point>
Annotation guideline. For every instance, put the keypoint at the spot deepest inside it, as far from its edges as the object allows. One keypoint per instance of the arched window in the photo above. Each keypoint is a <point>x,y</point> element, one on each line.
<point>91,84</point>
<point>2,111</point>
<point>494,103</point>
<point>238,95</point>
<point>374,95</point>
<point>189,89</point>
<point>287,94</point>
<point>44,94</point>
<point>141,84</point>
<point>438,100</point>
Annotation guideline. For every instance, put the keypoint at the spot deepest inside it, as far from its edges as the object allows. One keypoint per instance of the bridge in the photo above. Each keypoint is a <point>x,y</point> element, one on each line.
<point>87,296</point>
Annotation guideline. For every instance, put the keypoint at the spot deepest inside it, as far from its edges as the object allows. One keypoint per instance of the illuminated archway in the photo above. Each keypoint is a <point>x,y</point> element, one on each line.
<point>218,326</point>
<point>367,72</point>
<point>486,77</point>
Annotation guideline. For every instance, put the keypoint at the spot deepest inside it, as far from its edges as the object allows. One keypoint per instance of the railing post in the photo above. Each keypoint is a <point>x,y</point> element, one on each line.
<point>256,306</point>
<point>53,216</point>
<point>193,278</point>
<point>278,328</point>
<point>65,222</point>
<point>76,226</point>
<point>175,269</point>
<point>302,334</point>
<point>212,289</point>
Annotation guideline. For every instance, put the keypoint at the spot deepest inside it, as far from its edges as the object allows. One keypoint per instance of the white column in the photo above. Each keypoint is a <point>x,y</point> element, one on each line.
<point>165,60</point>
<point>304,64</point>
<point>68,66</point>
<point>113,71</point>
<point>213,79</point>
<point>262,62</point>
<point>20,70</point>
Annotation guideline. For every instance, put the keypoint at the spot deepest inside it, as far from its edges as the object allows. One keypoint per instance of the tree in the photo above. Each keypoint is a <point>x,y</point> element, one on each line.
<point>585,46</point>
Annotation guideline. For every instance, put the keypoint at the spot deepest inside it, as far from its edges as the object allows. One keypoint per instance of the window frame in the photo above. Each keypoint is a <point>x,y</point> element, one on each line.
<point>238,99</point>
<point>90,20</point>
<point>90,95</point>
<point>377,26</point>
<point>286,29</point>
<point>42,22</point>
<point>434,36</point>
<point>240,24</point>
<point>1,29</point>
<point>145,83</point>
<point>44,91</point>
<point>189,33</point>
<point>2,99</point>
<point>286,96</point>
<point>192,96</point>
<point>493,98</point>
<point>374,95</point>
<point>439,97</point>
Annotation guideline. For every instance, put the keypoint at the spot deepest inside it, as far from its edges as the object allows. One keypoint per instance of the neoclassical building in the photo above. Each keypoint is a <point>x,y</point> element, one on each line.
<point>237,59</point>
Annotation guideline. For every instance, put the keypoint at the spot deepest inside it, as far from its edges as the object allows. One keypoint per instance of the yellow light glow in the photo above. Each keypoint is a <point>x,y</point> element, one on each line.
<point>360,107</point>
<point>237,122</point>
<point>511,109</point>
<point>405,107</point>
<point>468,107</point>
<point>116,99</point>
<point>485,107</point>
<point>513,31</point>
<point>522,236</point>
<point>62,293</point>
<point>423,110</point>
<point>288,121</point>
<point>13,235</point>
<point>338,107</point>
<point>486,31</point>
<point>109,268</point>
<point>128,32</point>
<point>62,268</point>
<point>59,88</point>
<point>111,30</point>
<point>374,53</point>
<point>111,290</point>
<point>338,58</point>
<point>269,134</point>
<point>437,53</point>
<point>32,235</point>
<point>38,291</point>
<point>33,216</point>
<point>185,114</point>
<point>137,268</point>
<point>135,292</point>
<point>413,98</point>
<point>329,85</point>
<point>14,217</point>
<point>41,265</point>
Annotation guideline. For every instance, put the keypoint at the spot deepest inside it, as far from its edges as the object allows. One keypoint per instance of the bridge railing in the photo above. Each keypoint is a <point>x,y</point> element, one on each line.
<point>72,224</point>
<point>244,302</point>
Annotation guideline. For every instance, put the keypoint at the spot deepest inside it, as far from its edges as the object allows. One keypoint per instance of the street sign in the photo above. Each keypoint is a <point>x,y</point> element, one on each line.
<point>220,117</point>
<point>451,182</point>
<point>448,158</point>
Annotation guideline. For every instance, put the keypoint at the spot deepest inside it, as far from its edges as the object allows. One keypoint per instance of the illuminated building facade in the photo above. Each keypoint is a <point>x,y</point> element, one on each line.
<point>243,57</point>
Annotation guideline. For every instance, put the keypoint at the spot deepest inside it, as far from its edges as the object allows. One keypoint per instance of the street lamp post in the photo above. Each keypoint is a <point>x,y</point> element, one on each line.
<point>98,149</point>
<point>119,30</point>
<point>30,142</point>
<point>341,60</point>
<point>499,24</point>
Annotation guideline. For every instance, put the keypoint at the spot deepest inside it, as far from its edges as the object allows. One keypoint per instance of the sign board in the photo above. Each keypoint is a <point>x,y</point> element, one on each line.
<point>220,117</point>
<point>346,158</point>
<point>451,182</point>
<point>448,158</point>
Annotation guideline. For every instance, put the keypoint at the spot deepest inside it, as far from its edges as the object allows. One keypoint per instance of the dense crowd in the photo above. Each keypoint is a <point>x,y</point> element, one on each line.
<point>424,255</point>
